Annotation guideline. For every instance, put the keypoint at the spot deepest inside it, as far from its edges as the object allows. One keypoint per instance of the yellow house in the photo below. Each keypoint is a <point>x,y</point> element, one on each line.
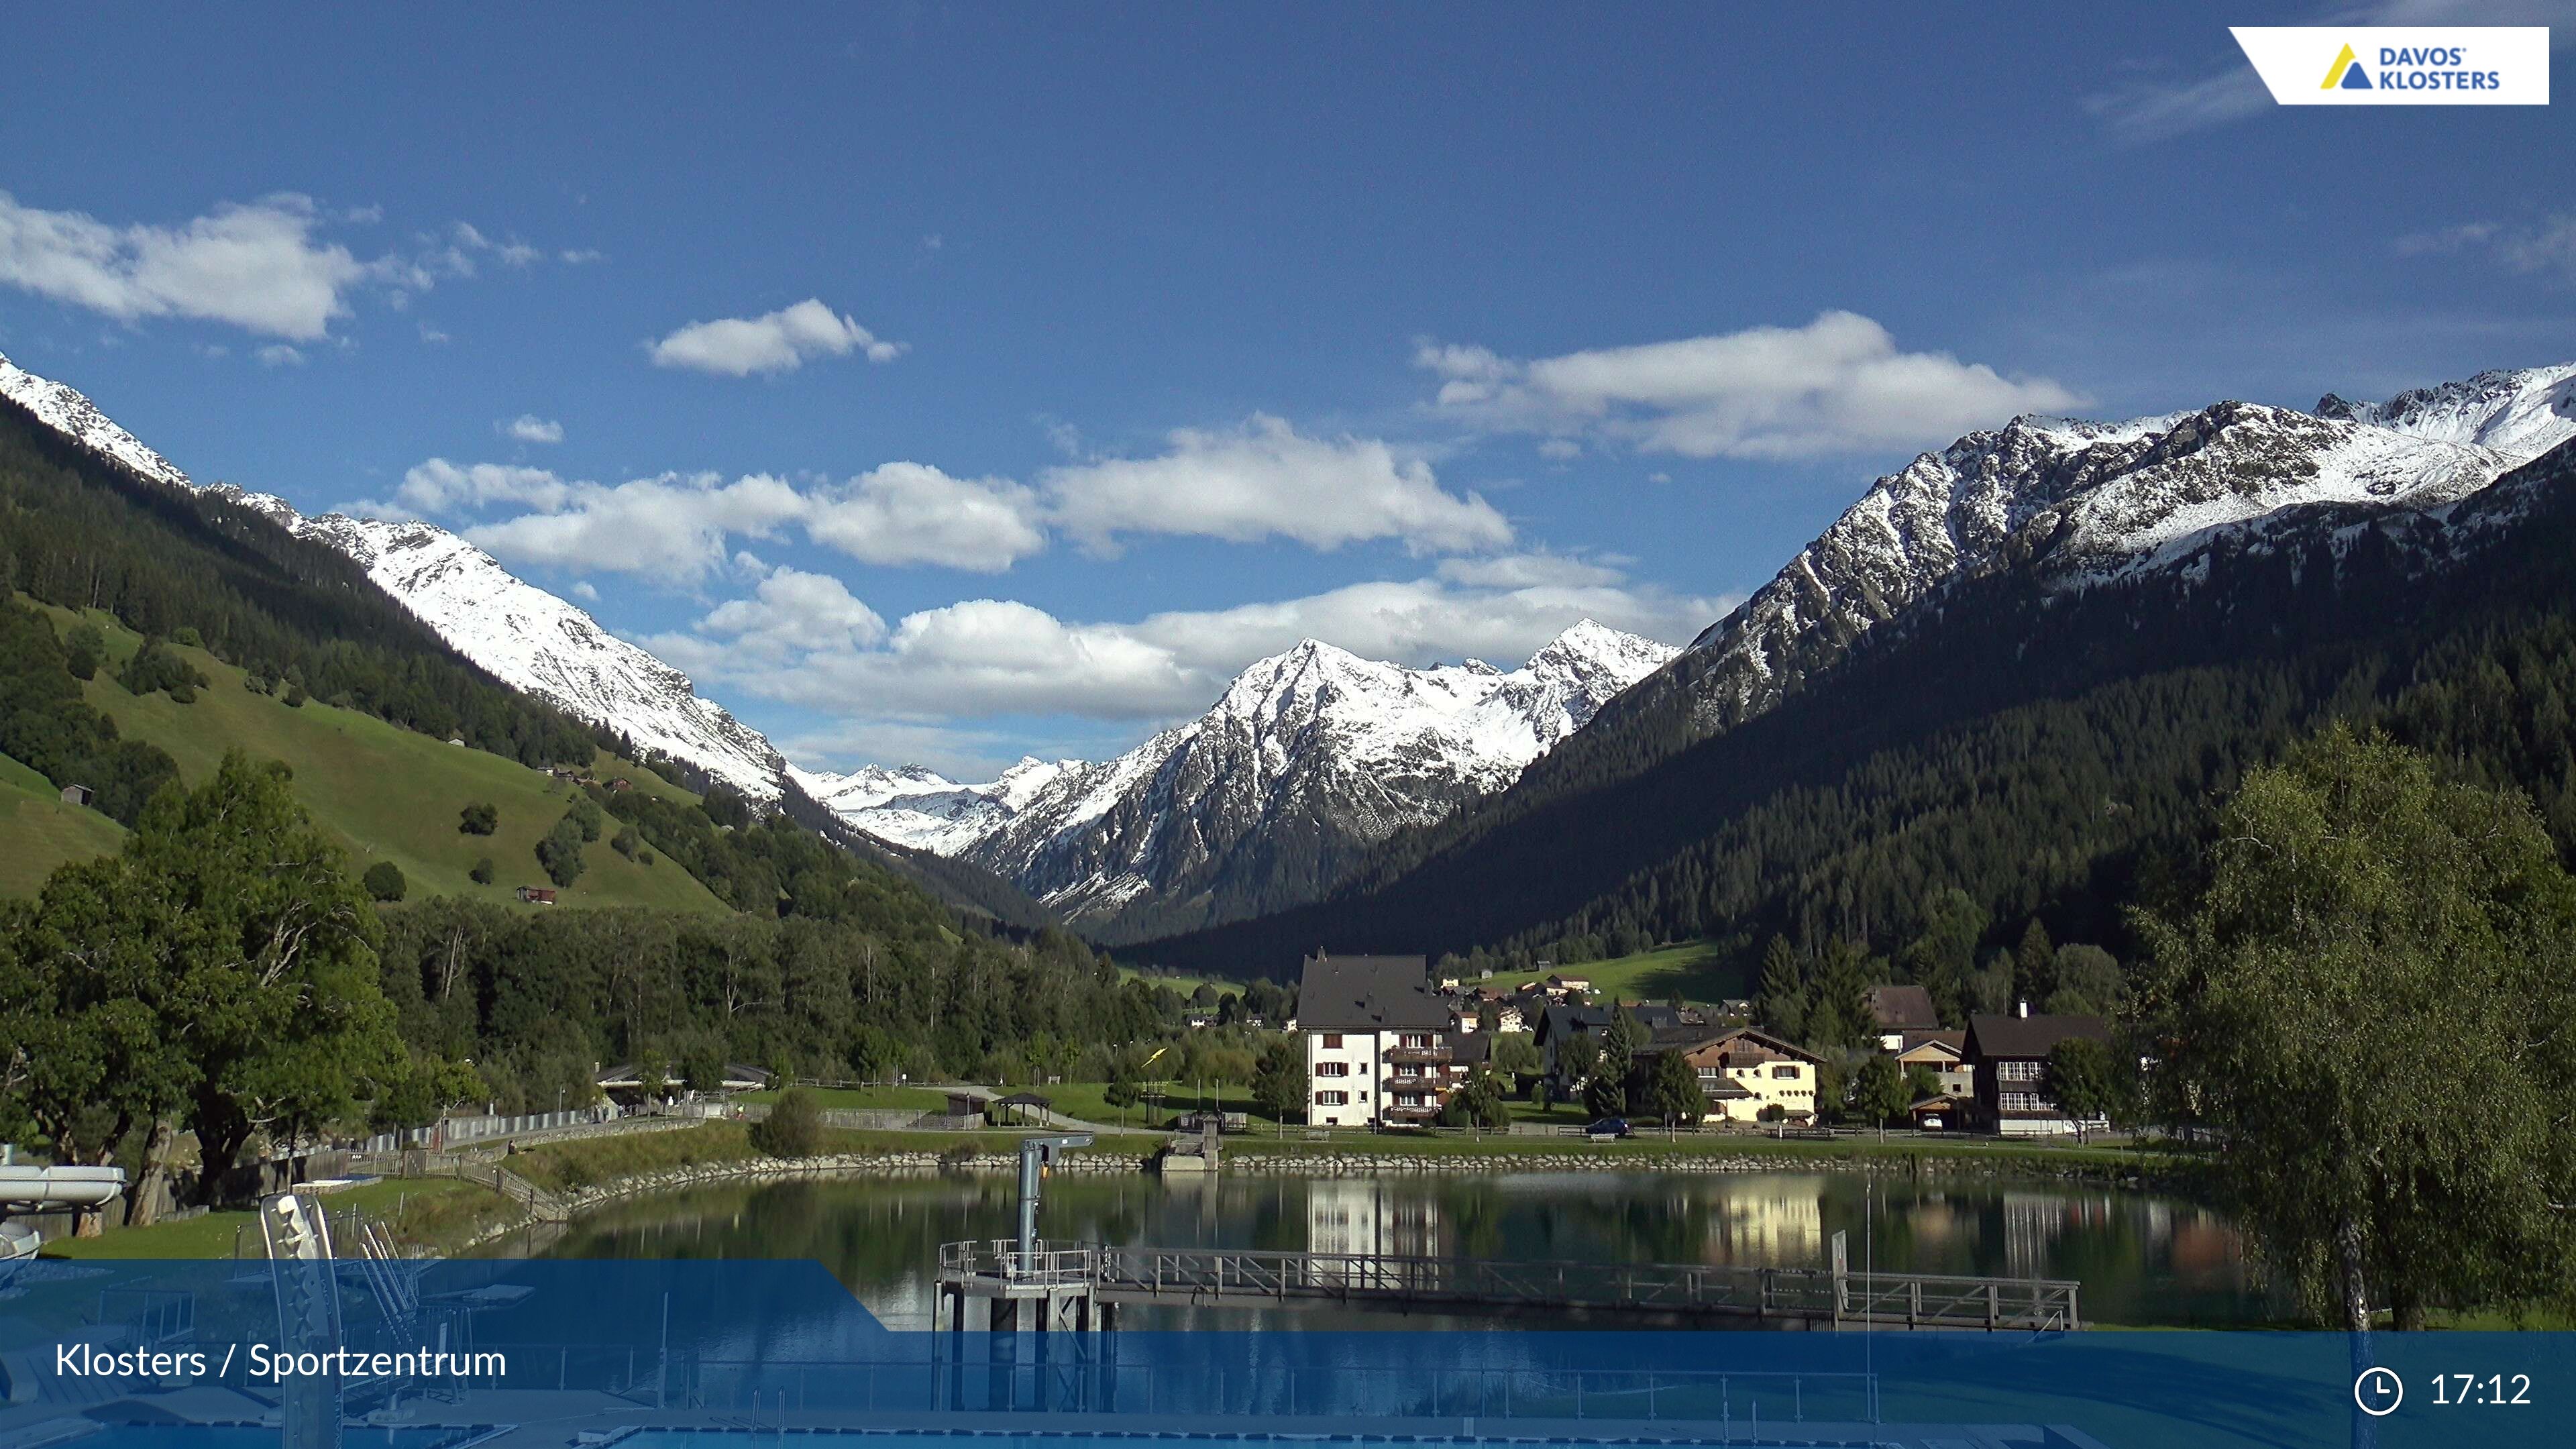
<point>1745,1071</point>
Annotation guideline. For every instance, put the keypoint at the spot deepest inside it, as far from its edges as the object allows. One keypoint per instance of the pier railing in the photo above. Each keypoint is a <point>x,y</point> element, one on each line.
<point>1920,1300</point>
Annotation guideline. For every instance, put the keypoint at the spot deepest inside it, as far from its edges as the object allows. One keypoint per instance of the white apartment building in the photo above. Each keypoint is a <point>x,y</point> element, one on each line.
<point>1379,1041</point>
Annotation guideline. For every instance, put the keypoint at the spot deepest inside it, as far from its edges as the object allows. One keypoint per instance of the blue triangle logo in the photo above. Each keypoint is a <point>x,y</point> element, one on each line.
<point>2355,78</point>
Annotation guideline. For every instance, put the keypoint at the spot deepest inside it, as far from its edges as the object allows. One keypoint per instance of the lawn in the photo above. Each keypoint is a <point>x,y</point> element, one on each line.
<point>878,1099</point>
<point>1090,1102</point>
<point>41,832</point>
<point>440,1212</point>
<point>1693,971</point>
<point>384,792</point>
<point>1185,985</point>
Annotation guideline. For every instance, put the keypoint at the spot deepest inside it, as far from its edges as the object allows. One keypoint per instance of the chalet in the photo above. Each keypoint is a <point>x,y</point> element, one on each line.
<point>2008,1056</point>
<point>1381,1046</point>
<point>1562,1021</point>
<point>1561,986</point>
<point>619,784</point>
<point>78,794</point>
<point>537,895</point>
<point>1946,1053</point>
<point>1745,1073</point>
<point>1896,1010</point>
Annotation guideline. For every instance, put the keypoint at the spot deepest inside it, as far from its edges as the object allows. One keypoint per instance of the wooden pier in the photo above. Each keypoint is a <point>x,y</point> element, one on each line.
<point>1643,1293</point>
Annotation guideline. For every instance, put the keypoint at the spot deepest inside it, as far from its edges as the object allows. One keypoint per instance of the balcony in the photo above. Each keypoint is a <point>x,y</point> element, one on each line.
<point>1430,1055</point>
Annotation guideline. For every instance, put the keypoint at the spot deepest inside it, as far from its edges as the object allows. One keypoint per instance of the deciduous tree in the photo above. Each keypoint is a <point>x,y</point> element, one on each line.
<point>2370,1008</point>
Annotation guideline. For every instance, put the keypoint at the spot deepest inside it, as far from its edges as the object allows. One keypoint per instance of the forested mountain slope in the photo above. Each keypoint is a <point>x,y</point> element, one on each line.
<point>2042,731</point>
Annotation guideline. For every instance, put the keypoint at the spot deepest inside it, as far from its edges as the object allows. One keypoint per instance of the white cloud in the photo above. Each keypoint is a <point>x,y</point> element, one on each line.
<point>794,613</point>
<point>529,428</point>
<point>1838,384</point>
<point>979,658</point>
<point>904,513</point>
<point>441,487</point>
<point>278,354</point>
<point>684,527</point>
<point>256,267</point>
<point>586,591</point>
<point>2547,246</point>
<point>673,526</point>
<point>579,256</point>
<point>1266,480</point>
<point>2154,110</point>
<point>779,341</point>
<point>432,335</point>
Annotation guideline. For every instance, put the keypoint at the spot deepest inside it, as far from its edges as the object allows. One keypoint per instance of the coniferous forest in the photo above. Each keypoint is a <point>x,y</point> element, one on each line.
<point>2052,754</point>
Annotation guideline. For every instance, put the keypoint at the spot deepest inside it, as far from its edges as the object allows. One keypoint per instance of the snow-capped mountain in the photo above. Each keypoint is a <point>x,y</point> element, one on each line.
<point>1309,756</point>
<point>524,636</point>
<point>2079,503</point>
<point>66,411</point>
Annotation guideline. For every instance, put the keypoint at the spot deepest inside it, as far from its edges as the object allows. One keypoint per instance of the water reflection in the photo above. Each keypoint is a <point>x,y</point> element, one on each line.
<point>2142,1258</point>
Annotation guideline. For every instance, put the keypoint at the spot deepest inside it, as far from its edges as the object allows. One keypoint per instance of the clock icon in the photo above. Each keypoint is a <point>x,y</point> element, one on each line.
<point>2378,1391</point>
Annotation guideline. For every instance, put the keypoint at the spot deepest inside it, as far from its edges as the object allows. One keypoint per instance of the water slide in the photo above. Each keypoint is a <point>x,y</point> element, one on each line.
<point>29,1189</point>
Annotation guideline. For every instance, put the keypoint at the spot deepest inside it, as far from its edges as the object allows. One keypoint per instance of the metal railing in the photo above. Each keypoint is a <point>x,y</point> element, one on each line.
<point>1049,1263</point>
<point>1923,1300</point>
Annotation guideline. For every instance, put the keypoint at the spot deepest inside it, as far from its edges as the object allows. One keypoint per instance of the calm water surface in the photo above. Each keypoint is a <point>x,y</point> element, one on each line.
<point>2143,1258</point>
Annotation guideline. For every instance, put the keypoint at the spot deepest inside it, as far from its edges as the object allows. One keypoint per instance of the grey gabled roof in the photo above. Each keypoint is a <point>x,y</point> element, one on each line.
<point>1369,993</point>
<point>2028,1038</point>
<point>1896,1008</point>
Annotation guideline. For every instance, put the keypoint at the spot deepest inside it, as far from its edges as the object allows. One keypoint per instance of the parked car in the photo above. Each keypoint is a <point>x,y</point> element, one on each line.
<point>1608,1128</point>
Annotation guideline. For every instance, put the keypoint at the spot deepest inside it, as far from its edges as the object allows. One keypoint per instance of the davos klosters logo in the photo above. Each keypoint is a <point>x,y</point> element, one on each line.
<point>2442,65</point>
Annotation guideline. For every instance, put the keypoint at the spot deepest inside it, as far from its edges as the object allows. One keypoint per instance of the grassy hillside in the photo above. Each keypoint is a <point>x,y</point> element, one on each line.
<point>1693,971</point>
<point>42,832</point>
<point>387,793</point>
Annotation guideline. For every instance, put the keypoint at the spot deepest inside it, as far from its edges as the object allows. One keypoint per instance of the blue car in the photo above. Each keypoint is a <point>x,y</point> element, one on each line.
<point>1609,1127</point>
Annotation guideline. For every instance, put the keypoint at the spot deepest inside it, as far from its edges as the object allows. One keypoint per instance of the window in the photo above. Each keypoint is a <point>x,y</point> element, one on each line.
<point>1332,1041</point>
<point>1408,1069</point>
<point>1784,1073</point>
<point>1416,1040</point>
<point>1332,1069</point>
<point>1363,1096</point>
<point>2024,1102</point>
<point>1331,1099</point>
<point>2017,1071</point>
<point>1708,1074</point>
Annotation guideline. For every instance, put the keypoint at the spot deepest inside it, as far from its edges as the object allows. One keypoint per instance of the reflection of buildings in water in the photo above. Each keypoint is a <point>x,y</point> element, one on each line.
<point>1347,1215</point>
<point>1934,1223</point>
<point>1767,1223</point>
<point>2033,1222</point>
<point>2205,1249</point>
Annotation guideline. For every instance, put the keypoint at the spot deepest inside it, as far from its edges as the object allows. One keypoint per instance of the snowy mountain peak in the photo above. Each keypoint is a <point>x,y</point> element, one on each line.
<point>2078,502</point>
<point>64,409</point>
<point>2523,413</point>
<point>1308,754</point>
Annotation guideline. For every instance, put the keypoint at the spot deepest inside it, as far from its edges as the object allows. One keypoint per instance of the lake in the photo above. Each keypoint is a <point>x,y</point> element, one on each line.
<point>2143,1258</point>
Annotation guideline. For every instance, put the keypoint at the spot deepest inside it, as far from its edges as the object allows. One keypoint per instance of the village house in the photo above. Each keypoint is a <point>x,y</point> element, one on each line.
<point>1946,1053</point>
<point>2008,1056</point>
<point>1745,1072</point>
<point>537,895</point>
<point>1382,1048</point>
<point>1562,1021</point>
<point>1895,1012</point>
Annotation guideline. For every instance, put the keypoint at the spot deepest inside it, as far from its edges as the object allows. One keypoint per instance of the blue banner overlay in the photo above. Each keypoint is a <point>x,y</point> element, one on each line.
<point>712,1355</point>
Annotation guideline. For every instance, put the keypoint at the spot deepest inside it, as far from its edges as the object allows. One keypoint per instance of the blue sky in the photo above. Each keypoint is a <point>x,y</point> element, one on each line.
<point>948,383</point>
